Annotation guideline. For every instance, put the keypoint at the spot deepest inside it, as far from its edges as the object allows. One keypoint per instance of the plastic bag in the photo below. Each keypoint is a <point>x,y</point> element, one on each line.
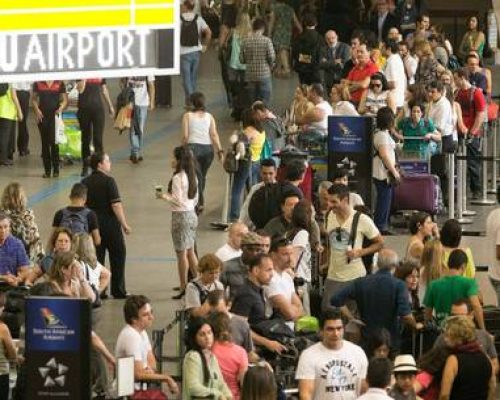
<point>60,134</point>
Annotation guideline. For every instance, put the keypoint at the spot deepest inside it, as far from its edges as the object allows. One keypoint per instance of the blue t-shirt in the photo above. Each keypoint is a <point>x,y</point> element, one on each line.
<point>12,256</point>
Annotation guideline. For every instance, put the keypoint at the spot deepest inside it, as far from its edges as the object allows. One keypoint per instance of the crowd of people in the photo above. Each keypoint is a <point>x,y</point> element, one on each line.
<point>299,252</point>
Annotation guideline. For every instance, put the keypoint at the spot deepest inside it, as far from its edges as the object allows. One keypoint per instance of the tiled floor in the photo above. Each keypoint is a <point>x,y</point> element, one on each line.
<point>151,267</point>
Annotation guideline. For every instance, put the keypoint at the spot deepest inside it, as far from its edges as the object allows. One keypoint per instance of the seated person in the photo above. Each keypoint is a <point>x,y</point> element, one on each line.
<point>300,106</point>
<point>282,223</point>
<point>235,271</point>
<point>377,96</point>
<point>340,96</point>
<point>232,248</point>
<point>14,262</point>
<point>282,300</point>
<point>133,341</point>
<point>77,217</point>
<point>316,119</point>
<point>249,302</point>
<point>209,267</point>
<point>341,175</point>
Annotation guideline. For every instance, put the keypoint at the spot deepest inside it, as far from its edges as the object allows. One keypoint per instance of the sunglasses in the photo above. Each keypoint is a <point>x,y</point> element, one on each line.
<point>338,234</point>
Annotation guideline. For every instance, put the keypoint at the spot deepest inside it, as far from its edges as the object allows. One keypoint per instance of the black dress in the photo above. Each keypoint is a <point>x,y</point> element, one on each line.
<point>473,376</point>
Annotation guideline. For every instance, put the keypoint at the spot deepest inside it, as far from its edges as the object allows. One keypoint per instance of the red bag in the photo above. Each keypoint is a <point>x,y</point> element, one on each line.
<point>492,111</point>
<point>149,394</point>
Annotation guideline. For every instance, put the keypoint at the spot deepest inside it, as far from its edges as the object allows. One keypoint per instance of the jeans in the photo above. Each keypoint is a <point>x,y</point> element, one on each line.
<point>204,154</point>
<point>240,177</point>
<point>137,130</point>
<point>474,166</point>
<point>382,204</point>
<point>260,90</point>
<point>189,72</point>
<point>255,176</point>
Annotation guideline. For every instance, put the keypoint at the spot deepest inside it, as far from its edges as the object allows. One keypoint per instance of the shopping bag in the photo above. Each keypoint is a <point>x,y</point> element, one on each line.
<point>124,118</point>
<point>60,134</point>
<point>73,147</point>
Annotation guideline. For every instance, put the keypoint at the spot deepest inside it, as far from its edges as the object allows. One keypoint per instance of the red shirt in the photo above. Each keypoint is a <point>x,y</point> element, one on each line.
<point>471,103</point>
<point>358,74</point>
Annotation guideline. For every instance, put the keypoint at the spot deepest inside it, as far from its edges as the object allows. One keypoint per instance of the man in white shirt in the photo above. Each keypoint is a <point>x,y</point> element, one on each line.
<point>493,236</point>
<point>280,292</point>
<point>333,369</point>
<point>191,46</point>
<point>378,379</point>
<point>133,341</point>
<point>267,175</point>
<point>317,118</point>
<point>410,62</point>
<point>395,73</point>
<point>345,262</point>
<point>232,248</point>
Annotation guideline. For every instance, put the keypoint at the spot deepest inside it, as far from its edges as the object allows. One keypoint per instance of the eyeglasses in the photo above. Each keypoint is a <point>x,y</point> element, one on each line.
<point>338,233</point>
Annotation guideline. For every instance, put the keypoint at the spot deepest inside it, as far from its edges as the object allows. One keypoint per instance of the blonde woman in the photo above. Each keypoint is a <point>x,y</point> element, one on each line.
<point>432,266</point>
<point>66,276</point>
<point>341,105</point>
<point>300,106</point>
<point>95,273</point>
<point>22,220</point>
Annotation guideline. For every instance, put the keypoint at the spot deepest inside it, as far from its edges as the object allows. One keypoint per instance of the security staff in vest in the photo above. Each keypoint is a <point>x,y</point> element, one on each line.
<point>104,199</point>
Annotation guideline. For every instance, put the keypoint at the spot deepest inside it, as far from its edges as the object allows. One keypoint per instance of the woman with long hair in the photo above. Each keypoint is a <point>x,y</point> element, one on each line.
<point>22,220</point>
<point>422,228</point>
<point>182,196</point>
<point>432,266</point>
<point>428,67</point>
<point>473,39</point>
<point>66,276</point>
<point>259,384</point>
<point>199,133</point>
<point>300,107</point>
<point>431,365</point>
<point>409,273</point>
<point>202,377</point>
<point>233,359</point>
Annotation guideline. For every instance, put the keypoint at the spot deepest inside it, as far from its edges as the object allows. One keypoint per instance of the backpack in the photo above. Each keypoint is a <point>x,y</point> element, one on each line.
<point>265,203</point>
<point>203,292</point>
<point>75,221</point>
<point>453,63</point>
<point>189,32</point>
<point>4,88</point>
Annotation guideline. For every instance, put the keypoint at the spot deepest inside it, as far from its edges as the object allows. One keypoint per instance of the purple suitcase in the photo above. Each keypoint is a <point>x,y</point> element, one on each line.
<point>418,192</point>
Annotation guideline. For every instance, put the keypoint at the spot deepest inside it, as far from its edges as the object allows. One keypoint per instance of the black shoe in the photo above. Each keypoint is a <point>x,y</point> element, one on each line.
<point>104,296</point>
<point>387,233</point>
<point>179,296</point>
<point>177,288</point>
<point>476,196</point>
<point>46,175</point>
<point>55,174</point>
<point>134,159</point>
<point>140,158</point>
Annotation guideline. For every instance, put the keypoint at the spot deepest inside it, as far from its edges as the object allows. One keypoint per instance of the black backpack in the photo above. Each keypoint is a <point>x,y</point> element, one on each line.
<point>75,221</point>
<point>189,32</point>
<point>265,202</point>
<point>4,88</point>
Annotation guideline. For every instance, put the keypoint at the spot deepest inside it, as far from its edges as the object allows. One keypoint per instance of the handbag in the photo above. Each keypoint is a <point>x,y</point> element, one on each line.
<point>231,163</point>
<point>149,394</point>
<point>274,329</point>
<point>448,145</point>
<point>60,135</point>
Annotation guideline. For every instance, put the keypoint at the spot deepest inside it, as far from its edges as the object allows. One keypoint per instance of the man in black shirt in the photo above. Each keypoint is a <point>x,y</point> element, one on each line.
<point>249,302</point>
<point>306,52</point>
<point>104,199</point>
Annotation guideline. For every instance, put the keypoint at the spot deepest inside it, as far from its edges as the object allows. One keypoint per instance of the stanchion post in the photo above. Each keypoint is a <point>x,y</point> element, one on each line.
<point>451,185</point>
<point>460,188</point>
<point>494,154</point>
<point>484,201</point>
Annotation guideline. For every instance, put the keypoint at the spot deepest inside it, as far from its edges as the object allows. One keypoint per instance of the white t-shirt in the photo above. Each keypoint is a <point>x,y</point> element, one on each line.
<point>301,240</point>
<point>92,274</point>
<point>493,236</point>
<point>322,126</point>
<point>441,114</point>
<point>355,200</point>
<point>345,108</point>
<point>226,252</point>
<point>339,268</point>
<point>375,394</point>
<point>379,139</point>
<point>140,87</point>
<point>395,72</point>
<point>202,25</point>
<point>281,284</point>
<point>337,373</point>
<point>131,342</point>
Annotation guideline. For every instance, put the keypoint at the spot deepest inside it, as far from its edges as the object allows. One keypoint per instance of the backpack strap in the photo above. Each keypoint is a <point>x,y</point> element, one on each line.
<point>202,290</point>
<point>354,229</point>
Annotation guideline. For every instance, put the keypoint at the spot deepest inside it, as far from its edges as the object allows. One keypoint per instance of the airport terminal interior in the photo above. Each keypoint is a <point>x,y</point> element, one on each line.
<point>151,262</point>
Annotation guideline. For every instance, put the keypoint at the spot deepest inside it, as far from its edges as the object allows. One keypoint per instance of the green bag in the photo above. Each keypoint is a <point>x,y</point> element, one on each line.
<point>307,323</point>
<point>73,147</point>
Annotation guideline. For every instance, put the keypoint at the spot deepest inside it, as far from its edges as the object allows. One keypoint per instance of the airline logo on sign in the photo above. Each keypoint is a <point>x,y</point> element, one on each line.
<point>70,39</point>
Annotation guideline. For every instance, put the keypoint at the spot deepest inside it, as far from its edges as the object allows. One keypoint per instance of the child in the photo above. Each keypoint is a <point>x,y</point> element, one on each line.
<point>405,370</point>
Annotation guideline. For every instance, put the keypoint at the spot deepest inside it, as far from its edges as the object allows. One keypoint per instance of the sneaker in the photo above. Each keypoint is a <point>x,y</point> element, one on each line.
<point>134,159</point>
